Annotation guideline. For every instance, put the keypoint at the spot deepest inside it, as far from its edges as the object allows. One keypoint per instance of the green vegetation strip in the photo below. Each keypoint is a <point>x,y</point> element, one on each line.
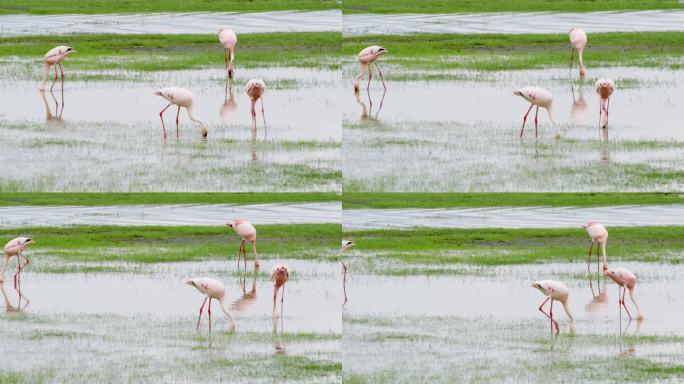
<point>518,246</point>
<point>175,52</point>
<point>116,6</point>
<point>357,200</point>
<point>523,51</point>
<point>453,6</point>
<point>173,244</point>
<point>95,199</point>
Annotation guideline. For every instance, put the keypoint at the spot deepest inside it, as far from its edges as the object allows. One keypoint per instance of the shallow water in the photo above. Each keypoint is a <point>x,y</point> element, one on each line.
<point>110,322</point>
<point>513,22</point>
<point>172,23</point>
<point>113,128</point>
<point>525,217</point>
<point>312,299</point>
<point>450,329</point>
<point>505,293</point>
<point>463,135</point>
<point>169,215</point>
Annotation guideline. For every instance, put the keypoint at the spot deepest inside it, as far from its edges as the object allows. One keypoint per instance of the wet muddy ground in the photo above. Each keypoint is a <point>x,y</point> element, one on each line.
<point>461,133</point>
<point>450,328</point>
<point>140,323</point>
<point>113,127</point>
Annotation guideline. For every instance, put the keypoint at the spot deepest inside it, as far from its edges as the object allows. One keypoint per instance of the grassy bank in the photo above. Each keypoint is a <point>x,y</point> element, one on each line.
<point>453,6</point>
<point>357,200</point>
<point>173,52</point>
<point>518,246</point>
<point>173,244</point>
<point>94,199</point>
<point>524,51</point>
<point>112,6</point>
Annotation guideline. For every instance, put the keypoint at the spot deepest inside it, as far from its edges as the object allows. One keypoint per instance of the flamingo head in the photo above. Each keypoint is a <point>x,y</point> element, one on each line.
<point>188,281</point>
<point>69,51</point>
<point>203,130</point>
<point>381,51</point>
<point>587,225</point>
<point>28,241</point>
<point>347,244</point>
<point>582,70</point>
<point>231,70</point>
<point>234,223</point>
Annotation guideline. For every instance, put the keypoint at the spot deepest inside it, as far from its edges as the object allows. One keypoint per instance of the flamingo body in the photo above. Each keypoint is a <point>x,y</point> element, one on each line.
<point>13,248</point>
<point>598,235</point>
<point>367,57</point>
<point>255,89</point>
<point>279,275</point>
<point>55,56</point>
<point>555,291</point>
<point>247,232</point>
<point>182,98</point>
<point>626,281</point>
<point>578,39</point>
<point>213,290</point>
<point>604,89</point>
<point>228,39</point>
<point>538,97</point>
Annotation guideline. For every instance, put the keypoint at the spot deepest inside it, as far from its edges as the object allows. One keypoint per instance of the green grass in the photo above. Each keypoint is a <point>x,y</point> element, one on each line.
<point>453,6</point>
<point>357,200</point>
<point>110,198</point>
<point>517,246</point>
<point>113,6</point>
<point>174,244</point>
<point>524,51</point>
<point>175,52</point>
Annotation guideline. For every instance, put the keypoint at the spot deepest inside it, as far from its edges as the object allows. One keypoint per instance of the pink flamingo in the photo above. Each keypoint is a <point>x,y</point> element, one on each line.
<point>598,234</point>
<point>555,290</point>
<point>182,98</point>
<point>279,276</point>
<point>625,280</point>
<point>14,248</point>
<point>55,56</point>
<point>578,39</point>
<point>247,232</point>
<point>228,39</point>
<point>604,88</point>
<point>538,97</point>
<point>255,89</point>
<point>212,289</point>
<point>346,244</point>
<point>367,57</point>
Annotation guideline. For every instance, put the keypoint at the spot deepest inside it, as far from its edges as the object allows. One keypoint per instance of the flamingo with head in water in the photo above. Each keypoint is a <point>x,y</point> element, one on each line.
<point>247,232</point>
<point>55,56</point>
<point>13,248</point>
<point>626,281</point>
<point>578,39</point>
<point>599,235</point>
<point>182,98</point>
<point>255,89</point>
<point>538,97</point>
<point>213,290</point>
<point>228,39</point>
<point>604,89</point>
<point>555,291</point>
<point>367,57</point>
<point>279,275</point>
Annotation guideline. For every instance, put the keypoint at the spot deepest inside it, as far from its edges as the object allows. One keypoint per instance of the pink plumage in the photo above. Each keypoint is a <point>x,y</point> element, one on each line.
<point>578,39</point>
<point>13,248</point>
<point>213,290</point>
<point>228,40</point>
<point>367,57</point>
<point>55,56</point>
<point>626,281</point>
<point>247,232</point>
<point>538,97</point>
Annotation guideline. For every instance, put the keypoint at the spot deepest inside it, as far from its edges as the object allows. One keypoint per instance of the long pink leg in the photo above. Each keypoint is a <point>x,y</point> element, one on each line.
<point>622,301</point>
<point>275,295</point>
<point>536,123</point>
<point>263,116</point>
<point>370,74</point>
<point>572,55</point>
<point>381,78</point>
<point>161,117</point>
<point>177,121</point>
<point>55,80</point>
<point>282,300</point>
<point>200,313</point>
<point>253,109</point>
<point>598,259</point>
<point>542,310</point>
<point>591,248</point>
<point>209,312</point>
<point>607,108</point>
<point>524,120</point>
<point>244,254</point>
<point>344,282</point>
<point>553,322</point>
<point>62,71</point>
<point>242,244</point>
